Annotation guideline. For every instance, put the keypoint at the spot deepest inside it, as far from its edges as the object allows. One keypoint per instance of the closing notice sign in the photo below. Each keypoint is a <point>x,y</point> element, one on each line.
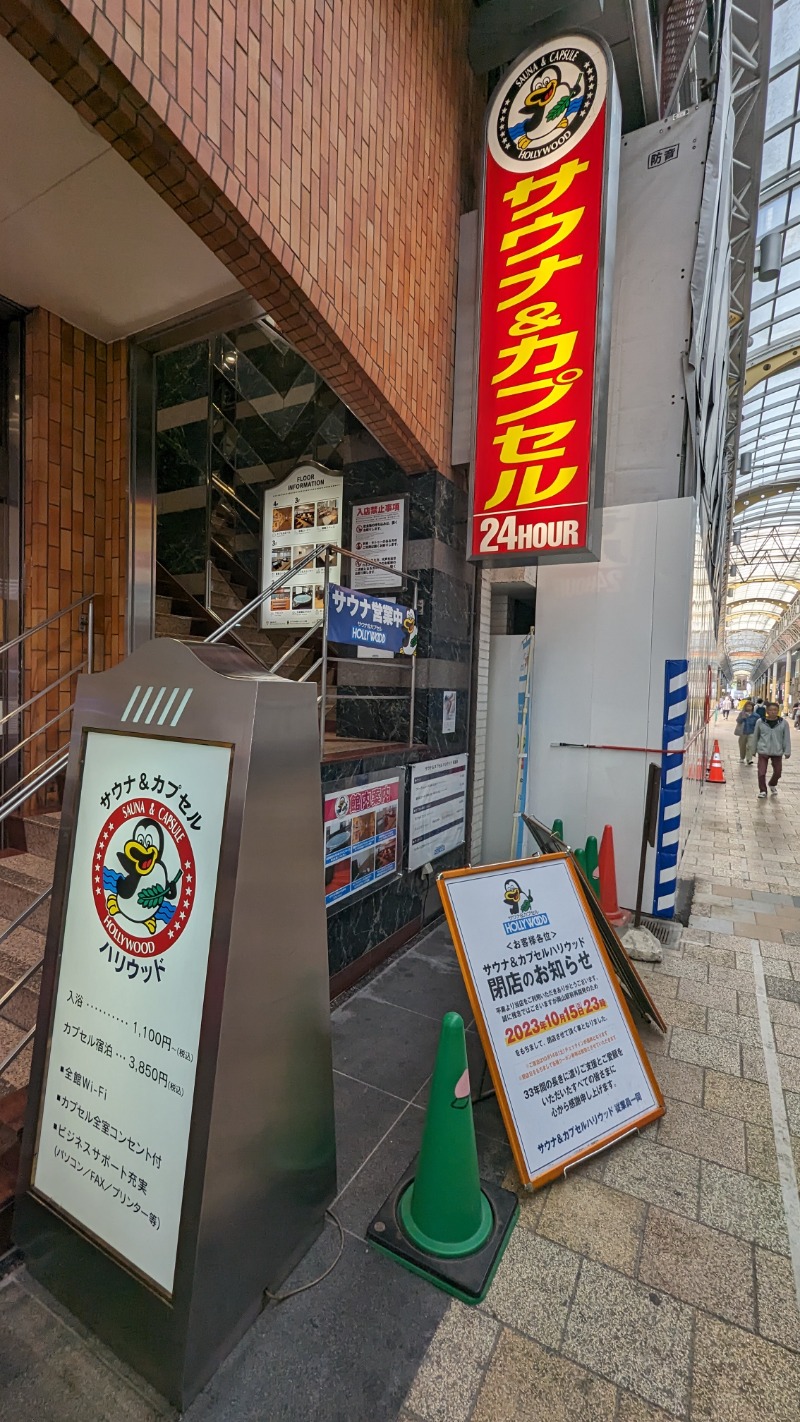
<point>570,1072</point>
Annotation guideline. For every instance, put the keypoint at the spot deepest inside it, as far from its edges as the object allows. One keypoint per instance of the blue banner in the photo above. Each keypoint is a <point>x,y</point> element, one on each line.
<point>361,621</point>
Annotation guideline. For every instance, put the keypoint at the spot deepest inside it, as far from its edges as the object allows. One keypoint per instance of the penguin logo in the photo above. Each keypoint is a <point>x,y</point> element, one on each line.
<point>409,647</point>
<point>515,898</point>
<point>144,877</point>
<point>545,104</point>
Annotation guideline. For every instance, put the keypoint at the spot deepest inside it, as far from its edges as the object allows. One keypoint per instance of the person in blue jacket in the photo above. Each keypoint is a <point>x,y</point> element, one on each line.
<point>743,731</point>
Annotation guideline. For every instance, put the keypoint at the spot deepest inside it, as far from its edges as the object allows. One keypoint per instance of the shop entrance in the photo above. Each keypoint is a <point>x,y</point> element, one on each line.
<point>236,414</point>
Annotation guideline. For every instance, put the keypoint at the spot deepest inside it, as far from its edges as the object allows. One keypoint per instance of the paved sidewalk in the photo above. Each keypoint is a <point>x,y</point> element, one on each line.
<point>657,1281</point>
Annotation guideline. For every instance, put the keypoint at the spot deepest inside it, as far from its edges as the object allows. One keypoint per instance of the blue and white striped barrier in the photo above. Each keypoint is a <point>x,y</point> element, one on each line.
<point>673,737</point>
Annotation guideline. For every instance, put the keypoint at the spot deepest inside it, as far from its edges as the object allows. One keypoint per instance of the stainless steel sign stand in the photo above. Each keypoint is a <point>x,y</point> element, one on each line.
<point>179,1151</point>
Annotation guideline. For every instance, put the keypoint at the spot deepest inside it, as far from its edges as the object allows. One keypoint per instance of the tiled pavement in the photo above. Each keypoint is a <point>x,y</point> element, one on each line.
<point>655,1283</point>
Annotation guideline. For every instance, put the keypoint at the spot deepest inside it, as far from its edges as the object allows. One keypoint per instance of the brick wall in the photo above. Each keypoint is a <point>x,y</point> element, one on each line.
<point>325,149</point>
<point>75,510</point>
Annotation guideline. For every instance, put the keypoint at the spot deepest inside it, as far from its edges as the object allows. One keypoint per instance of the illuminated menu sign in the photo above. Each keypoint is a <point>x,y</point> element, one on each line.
<point>549,193</point>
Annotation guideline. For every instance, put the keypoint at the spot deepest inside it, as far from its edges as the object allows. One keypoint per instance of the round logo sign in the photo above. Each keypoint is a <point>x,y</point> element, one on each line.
<point>143,875</point>
<point>546,101</point>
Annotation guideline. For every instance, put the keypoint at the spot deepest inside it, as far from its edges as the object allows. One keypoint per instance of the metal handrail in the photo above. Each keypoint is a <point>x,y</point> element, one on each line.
<point>231,494</point>
<point>286,577</point>
<point>26,977</point>
<point>15,1051</point>
<point>40,729</point>
<point>40,626</point>
<point>26,705</point>
<point>43,774</point>
<point>261,597</point>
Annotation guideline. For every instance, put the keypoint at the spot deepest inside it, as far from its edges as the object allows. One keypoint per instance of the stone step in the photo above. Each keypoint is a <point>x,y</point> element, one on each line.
<point>163,604</point>
<point>23,948</point>
<point>41,834</point>
<point>22,879</point>
<point>21,1010</point>
<point>169,625</point>
<point>18,1073</point>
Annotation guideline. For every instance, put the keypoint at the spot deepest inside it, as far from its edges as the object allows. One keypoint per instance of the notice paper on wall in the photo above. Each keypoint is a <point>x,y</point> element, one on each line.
<point>570,1071</point>
<point>437,820</point>
<point>378,533</point>
<point>119,1081</point>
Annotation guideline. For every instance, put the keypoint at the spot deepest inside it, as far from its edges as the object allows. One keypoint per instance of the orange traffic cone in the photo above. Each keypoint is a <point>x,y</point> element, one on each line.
<point>608,881</point>
<point>715,775</point>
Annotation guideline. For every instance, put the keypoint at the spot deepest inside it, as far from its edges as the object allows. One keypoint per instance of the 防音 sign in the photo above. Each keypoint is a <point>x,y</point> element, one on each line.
<point>570,1071</point>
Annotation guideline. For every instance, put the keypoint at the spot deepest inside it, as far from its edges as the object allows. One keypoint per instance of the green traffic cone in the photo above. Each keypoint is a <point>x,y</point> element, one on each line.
<point>444,1211</point>
<point>440,1220</point>
<point>580,856</point>
<point>558,828</point>
<point>592,864</point>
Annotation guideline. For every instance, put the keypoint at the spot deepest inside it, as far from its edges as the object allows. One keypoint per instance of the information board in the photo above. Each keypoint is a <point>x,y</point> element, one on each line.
<point>567,1063</point>
<point>378,533</point>
<point>438,814</point>
<point>301,513</point>
<point>119,1080</point>
<point>362,836</point>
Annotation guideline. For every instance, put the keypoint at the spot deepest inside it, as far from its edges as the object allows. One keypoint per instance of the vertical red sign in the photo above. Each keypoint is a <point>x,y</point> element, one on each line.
<point>549,198</point>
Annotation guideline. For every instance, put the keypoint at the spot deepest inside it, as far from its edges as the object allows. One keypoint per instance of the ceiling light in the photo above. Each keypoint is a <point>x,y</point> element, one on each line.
<point>770,255</point>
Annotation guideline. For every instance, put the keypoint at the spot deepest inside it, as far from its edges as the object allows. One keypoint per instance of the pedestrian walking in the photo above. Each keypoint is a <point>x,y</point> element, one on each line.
<point>771,744</point>
<point>743,731</point>
<point>726,706</point>
<point>761,709</point>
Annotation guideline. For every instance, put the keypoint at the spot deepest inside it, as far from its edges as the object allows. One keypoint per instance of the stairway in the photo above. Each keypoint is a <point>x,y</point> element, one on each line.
<point>23,877</point>
<point>178,614</point>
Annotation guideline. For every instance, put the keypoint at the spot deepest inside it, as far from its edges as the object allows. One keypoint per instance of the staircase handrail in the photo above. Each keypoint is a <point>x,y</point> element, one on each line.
<point>232,494</point>
<point>47,622</point>
<point>286,577</point>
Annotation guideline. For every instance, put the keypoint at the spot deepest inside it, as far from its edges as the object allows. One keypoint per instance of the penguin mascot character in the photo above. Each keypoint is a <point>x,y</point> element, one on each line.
<point>143,892</point>
<point>515,899</point>
<point>548,106</point>
<point>409,647</point>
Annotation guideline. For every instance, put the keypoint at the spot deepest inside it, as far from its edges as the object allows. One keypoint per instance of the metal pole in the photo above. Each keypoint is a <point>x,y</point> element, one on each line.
<point>413,673</point>
<point>90,635</point>
<point>207,594</point>
<point>648,832</point>
<point>323,700</point>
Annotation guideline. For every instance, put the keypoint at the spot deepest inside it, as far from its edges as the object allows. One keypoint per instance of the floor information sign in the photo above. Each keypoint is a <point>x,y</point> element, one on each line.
<point>570,1071</point>
<point>119,1087</point>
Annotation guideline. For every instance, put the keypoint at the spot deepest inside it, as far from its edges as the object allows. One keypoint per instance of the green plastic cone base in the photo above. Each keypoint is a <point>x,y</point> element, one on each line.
<point>441,1220</point>
<point>436,1246</point>
<point>445,1207</point>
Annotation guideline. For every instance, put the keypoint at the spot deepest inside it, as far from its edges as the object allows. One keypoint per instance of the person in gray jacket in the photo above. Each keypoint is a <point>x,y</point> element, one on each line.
<point>771,742</point>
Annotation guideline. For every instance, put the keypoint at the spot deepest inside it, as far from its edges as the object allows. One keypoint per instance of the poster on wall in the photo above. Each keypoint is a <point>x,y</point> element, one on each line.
<point>363,836</point>
<point>119,1080</point>
<point>378,532</point>
<point>355,620</point>
<point>302,512</point>
<point>570,1071</point>
<point>449,708</point>
<point>551,161</point>
<point>438,811</point>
